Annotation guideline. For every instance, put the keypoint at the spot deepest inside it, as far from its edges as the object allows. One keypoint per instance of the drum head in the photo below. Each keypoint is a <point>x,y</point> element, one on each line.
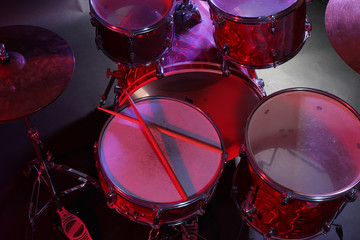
<point>130,14</point>
<point>305,141</point>
<point>131,165</point>
<point>227,100</point>
<point>251,8</point>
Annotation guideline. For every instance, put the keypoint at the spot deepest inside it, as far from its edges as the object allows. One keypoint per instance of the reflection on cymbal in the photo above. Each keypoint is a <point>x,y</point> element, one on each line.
<point>39,67</point>
<point>343,30</point>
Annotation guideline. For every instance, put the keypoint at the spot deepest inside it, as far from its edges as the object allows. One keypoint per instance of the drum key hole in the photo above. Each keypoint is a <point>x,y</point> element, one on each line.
<point>267,111</point>
<point>318,108</point>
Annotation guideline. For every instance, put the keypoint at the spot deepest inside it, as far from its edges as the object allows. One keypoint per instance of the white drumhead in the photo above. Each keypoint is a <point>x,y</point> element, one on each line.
<point>129,162</point>
<point>131,14</point>
<point>306,141</point>
<point>253,8</point>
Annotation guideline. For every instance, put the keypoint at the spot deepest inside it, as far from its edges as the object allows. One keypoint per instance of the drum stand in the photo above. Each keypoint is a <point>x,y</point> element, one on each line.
<point>42,164</point>
<point>186,15</point>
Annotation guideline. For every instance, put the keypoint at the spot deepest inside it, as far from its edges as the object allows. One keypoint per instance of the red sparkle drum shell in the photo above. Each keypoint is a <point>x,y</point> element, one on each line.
<point>259,34</point>
<point>133,32</point>
<point>133,178</point>
<point>228,100</point>
<point>302,164</point>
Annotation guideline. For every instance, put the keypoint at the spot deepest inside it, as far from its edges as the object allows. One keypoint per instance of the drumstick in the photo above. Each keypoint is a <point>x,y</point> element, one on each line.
<point>167,131</point>
<point>158,151</point>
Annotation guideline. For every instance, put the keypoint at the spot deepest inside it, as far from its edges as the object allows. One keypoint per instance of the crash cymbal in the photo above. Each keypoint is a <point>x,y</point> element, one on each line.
<point>39,67</point>
<point>343,30</point>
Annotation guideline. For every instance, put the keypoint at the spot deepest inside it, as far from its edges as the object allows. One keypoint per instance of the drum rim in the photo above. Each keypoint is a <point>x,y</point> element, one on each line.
<point>194,66</point>
<point>167,17</point>
<point>254,20</point>
<point>149,204</point>
<point>282,189</point>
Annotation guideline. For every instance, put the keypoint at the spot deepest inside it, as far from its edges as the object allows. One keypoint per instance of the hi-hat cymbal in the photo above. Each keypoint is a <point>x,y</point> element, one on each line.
<point>343,30</point>
<point>39,68</point>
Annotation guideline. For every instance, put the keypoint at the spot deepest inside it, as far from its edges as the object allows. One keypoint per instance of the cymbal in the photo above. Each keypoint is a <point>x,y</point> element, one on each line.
<point>39,68</point>
<point>343,29</point>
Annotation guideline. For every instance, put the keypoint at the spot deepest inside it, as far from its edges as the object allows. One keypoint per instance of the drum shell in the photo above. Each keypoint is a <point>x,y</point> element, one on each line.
<point>141,49</point>
<point>146,213</point>
<point>283,210</point>
<point>251,42</point>
<point>134,47</point>
<point>297,219</point>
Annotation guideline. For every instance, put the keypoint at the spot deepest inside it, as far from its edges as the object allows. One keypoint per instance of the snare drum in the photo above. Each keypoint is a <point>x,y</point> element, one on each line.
<point>132,176</point>
<point>303,152</point>
<point>228,100</point>
<point>259,34</point>
<point>133,32</point>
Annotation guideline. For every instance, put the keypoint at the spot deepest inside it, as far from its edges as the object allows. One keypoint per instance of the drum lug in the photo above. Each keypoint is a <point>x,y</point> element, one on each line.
<point>94,22</point>
<point>159,70</point>
<point>350,197</point>
<point>170,23</point>
<point>261,85</point>
<point>248,207</point>
<point>242,151</point>
<point>326,228</point>
<point>131,48</point>
<point>272,24</point>
<point>110,197</point>
<point>224,66</point>
<point>286,196</point>
<point>308,28</point>
<point>218,21</point>
<point>271,233</point>
<point>156,221</point>
<point>274,56</point>
<point>98,41</point>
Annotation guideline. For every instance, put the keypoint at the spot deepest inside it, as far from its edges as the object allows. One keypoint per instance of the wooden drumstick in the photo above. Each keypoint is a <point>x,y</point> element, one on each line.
<point>158,151</point>
<point>167,132</point>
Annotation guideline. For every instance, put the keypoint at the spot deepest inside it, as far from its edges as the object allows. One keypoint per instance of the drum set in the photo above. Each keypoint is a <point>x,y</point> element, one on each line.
<point>187,101</point>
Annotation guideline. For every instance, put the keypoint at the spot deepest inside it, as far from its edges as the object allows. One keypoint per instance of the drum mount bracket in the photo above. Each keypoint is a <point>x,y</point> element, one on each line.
<point>186,15</point>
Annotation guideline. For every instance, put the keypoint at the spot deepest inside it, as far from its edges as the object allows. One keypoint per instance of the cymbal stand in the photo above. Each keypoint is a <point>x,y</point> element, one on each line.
<point>42,164</point>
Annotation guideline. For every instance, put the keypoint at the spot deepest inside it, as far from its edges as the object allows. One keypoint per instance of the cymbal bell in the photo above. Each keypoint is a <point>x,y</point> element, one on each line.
<point>343,29</point>
<point>36,66</point>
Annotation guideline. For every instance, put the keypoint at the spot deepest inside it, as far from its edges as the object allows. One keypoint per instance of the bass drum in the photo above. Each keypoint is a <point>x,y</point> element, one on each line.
<point>303,164</point>
<point>228,100</point>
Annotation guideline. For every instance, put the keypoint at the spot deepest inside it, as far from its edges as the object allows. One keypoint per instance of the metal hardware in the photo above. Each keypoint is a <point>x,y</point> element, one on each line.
<point>248,207</point>
<point>272,24</point>
<point>94,22</point>
<point>242,151</point>
<point>271,233</point>
<point>98,42</point>
<point>274,55</point>
<point>3,54</point>
<point>286,196</point>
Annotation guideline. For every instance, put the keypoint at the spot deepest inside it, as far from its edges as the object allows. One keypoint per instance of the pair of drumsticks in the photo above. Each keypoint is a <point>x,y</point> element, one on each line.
<point>155,145</point>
